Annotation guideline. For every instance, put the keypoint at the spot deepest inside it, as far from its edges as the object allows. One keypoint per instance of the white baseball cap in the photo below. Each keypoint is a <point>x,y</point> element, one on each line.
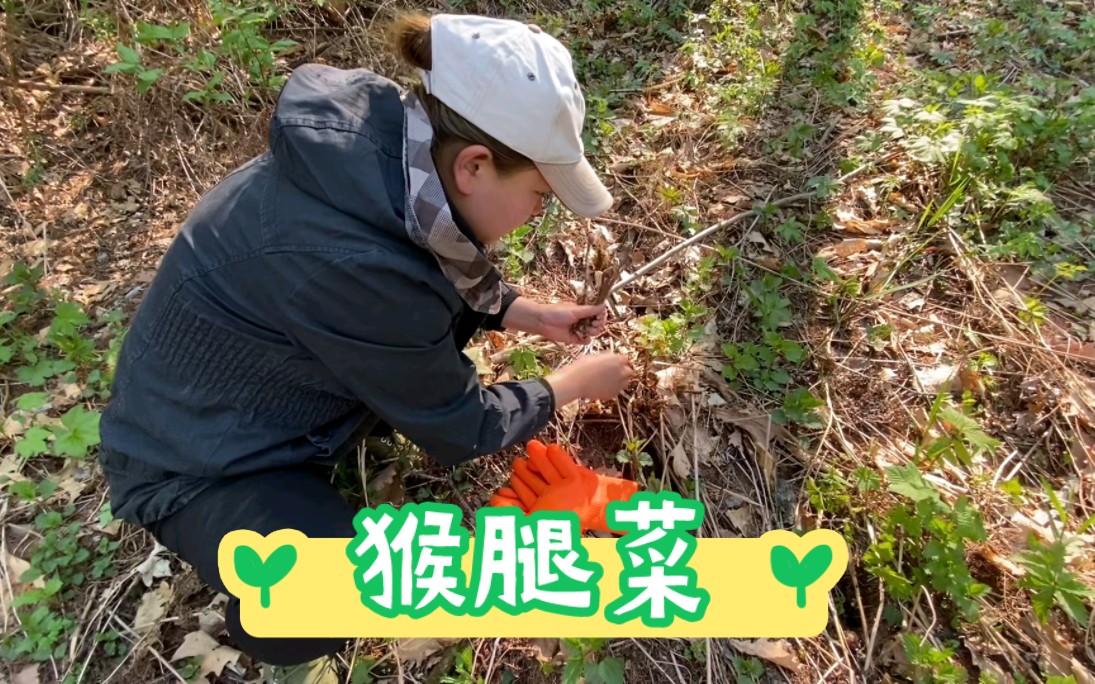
<point>517,84</point>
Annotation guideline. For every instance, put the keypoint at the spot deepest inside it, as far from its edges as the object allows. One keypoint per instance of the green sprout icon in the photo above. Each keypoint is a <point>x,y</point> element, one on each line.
<point>254,572</point>
<point>790,572</point>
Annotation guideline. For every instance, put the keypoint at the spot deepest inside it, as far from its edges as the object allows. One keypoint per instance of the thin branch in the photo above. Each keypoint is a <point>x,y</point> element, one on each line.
<point>702,235</point>
<point>58,87</point>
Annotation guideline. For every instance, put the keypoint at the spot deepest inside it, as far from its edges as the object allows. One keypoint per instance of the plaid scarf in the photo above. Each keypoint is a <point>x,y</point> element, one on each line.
<point>429,219</point>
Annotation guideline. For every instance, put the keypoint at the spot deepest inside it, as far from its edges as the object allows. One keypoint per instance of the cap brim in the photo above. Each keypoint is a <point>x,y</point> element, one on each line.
<point>578,187</point>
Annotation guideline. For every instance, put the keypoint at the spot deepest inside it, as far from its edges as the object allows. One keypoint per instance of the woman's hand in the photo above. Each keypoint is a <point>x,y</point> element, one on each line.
<point>557,322</point>
<point>600,377</point>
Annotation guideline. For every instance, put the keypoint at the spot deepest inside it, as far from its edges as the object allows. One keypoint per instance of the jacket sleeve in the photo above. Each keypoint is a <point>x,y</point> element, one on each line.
<point>494,321</point>
<point>388,336</point>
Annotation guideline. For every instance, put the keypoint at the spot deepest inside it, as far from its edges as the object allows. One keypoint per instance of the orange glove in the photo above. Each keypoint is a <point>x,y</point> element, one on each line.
<point>551,480</point>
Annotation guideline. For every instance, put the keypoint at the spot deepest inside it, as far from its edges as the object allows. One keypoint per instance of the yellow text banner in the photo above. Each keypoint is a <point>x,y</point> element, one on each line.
<point>776,585</point>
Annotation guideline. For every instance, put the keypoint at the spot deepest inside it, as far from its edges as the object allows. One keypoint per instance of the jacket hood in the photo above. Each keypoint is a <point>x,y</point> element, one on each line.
<point>337,134</point>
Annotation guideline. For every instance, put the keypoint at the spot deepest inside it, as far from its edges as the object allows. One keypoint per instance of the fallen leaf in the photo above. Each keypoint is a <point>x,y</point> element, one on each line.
<point>936,378</point>
<point>479,358</point>
<point>759,426</point>
<point>111,529</point>
<point>756,237</point>
<point>705,444</point>
<point>1066,344</point>
<point>742,518</point>
<point>912,302</point>
<point>546,649</point>
<point>15,424</point>
<point>154,566</point>
<point>152,608</point>
<point>195,644</point>
<point>1081,673</point>
<point>16,567</point>
<point>1056,652</point>
<point>214,655</point>
<point>387,486</point>
<point>681,462</point>
<point>775,652</point>
<point>660,108</point>
<point>74,479</point>
<point>211,622</point>
<point>417,650</point>
<point>71,390</point>
<point>936,348</point>
<point>1082,449</point>
<point>844,248</point>
<point>676,380</point>
<point>28,675</point>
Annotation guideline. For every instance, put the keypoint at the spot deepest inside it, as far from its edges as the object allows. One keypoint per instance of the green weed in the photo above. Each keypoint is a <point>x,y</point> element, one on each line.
<point>66,560</point>
<point>526,364</point>
<point>585,663</point>
<point>922,544</point>
<point>465,664</point>
<point>933,665</point>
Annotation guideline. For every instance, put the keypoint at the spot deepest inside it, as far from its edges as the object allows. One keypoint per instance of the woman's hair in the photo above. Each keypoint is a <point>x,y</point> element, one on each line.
<point>411,39</point>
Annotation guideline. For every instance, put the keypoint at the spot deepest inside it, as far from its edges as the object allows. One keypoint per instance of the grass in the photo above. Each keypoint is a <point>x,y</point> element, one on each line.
<point>904,356</point>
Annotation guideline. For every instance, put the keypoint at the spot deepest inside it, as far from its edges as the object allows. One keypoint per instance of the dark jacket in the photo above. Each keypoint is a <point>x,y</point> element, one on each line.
<point>292,310</point>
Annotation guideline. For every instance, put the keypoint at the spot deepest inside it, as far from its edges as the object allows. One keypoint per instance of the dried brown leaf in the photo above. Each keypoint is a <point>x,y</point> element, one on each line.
<point>16,567</point>
<point>681,461</point>
<point>936,378</point>
<point>546,649</point>
<point>153,606</point>
<point>155,566</point>
<point>742,518</point>
<point>845,248</point>
<point>417,650</point>
<point>775,652</point>
<point>74,479</point>
<point>214,655</point>
<point>28,675</point>
<point>211,622</point>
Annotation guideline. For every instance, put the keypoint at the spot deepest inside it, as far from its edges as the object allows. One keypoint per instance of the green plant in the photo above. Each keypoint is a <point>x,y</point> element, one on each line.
<point>465,664</point>
<point>130,62</point>
<point>1049,580</point>
<point>1033,312</point>
<point>241,42</point>
<point>516,252</point>
<point>585,664</point>
<point>669,337</point>
<point>747,670</point>
<point>761,365</point>
<point>526,364</point>
<point>792,230</point>
<point>830,492</point>
<point>961,439</point>
<point>932,665</point>
<point>799,407</point>
<point>923,545</point>
<point>633,455</point>
<point>64,561</point>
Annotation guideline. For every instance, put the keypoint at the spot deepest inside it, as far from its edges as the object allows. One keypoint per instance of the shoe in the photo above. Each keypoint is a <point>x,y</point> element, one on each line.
<point>320,671</point>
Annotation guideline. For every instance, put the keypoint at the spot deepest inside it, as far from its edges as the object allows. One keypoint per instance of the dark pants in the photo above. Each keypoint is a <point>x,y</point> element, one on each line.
<point>300,498</point>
